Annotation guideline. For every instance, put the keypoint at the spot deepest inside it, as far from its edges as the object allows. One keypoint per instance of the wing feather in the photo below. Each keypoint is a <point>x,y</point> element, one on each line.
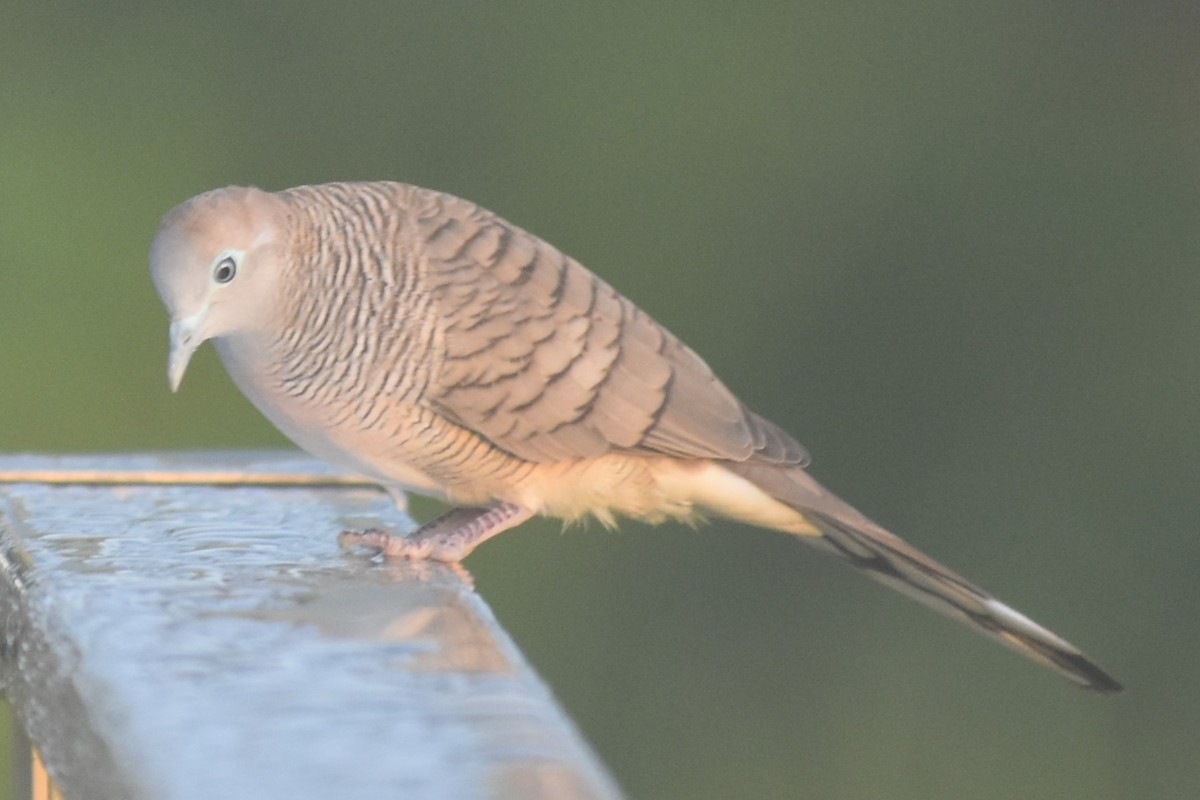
<point>550,363</point>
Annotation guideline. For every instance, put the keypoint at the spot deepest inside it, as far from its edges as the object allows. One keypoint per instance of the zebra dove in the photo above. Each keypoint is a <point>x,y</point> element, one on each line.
<point>432,346</point>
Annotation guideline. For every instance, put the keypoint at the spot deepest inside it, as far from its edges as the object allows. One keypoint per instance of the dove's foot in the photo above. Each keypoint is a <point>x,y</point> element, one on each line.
<point>449,537</point>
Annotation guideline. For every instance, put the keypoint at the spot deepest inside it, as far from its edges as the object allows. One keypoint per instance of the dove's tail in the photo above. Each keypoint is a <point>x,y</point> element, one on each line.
<point>826,522</point>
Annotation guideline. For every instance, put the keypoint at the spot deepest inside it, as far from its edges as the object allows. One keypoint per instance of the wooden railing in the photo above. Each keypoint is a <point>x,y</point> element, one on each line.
<point>185,627</point>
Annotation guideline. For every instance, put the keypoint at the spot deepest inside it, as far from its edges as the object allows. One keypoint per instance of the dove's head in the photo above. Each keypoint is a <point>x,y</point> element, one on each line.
<point>215,261</point>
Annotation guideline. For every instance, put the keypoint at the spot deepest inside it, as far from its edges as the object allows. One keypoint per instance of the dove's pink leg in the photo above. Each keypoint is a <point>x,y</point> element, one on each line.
<point>449,537</point>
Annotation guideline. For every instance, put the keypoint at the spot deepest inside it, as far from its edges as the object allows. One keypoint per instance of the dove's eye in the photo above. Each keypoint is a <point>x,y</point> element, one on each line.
<point>225,270</point>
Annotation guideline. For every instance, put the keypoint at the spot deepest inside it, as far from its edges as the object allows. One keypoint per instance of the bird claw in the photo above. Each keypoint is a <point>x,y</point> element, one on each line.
<point>380,542</point>
<point>450,537</point>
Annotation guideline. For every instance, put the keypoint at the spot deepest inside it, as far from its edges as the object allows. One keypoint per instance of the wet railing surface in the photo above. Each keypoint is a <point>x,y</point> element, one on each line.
<point>172,630</point>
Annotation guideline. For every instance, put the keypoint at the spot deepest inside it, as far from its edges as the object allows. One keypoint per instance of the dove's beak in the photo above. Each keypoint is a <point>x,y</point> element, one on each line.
<point>186,336</point>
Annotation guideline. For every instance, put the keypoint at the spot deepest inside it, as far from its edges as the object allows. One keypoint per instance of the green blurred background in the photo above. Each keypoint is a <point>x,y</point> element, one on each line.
<point>951,246</point>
